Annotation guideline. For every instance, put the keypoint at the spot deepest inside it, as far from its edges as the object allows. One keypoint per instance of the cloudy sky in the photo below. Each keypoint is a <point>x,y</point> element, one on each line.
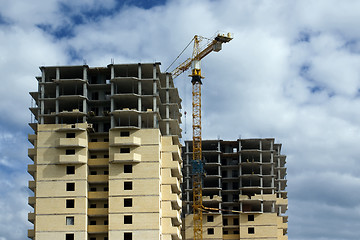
<point>291,72</point>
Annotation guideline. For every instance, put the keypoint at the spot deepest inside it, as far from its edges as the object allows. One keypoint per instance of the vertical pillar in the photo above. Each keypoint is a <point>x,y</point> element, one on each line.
<point>57,110</point>
<point>57,73</point>
<point>42,92</point>
<point>140,94</point>
<point>154,101</point>
<point>112,104</point>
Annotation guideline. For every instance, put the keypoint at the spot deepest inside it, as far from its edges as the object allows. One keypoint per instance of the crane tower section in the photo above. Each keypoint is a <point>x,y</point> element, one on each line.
<point>197,164</point>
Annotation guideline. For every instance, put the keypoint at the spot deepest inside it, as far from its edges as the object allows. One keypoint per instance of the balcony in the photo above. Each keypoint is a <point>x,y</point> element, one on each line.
<point>98,178</point>
<point>72,159</point>
<point>31,217</point>
<point>97,228</point>
<point>172,148</point>
<point>31,170</point>
<point>31,233</point>
<point>98,146</point>
<point>31,201</point>
<point>98,212</point>
<point>126,158</point>
<point>168,212</point>
<point>168,179</point>
<point>71,142</point>
<point>126,141</point>
<point>32,138</point>
<point>98,161</point>
<point>98,195</point>
<point>169,229</point>
<point>32,153</point>
<point>32,185</point>
<point>281,201</point>
<point>281,224</point>
<point>174,166</point>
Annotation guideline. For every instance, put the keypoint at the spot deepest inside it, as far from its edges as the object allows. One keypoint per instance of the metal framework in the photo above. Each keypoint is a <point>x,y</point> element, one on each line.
<point>197,164</point>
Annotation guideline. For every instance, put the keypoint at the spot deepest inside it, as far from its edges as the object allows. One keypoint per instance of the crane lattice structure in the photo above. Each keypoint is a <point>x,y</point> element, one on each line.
<point>215,44</point>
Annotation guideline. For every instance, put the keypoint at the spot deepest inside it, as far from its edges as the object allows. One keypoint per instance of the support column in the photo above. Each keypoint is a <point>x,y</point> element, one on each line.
<point>42,90</point>
<point>57,110</point>
<point>154,101</point>
<point>140,96</point>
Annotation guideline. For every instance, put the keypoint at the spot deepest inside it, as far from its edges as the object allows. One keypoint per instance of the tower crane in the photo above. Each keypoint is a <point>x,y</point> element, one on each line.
<point>215,45</point>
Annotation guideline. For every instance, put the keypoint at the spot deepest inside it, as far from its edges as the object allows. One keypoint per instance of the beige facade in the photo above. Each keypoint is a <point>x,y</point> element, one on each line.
<point>246,181</point>
<point>106,156</point>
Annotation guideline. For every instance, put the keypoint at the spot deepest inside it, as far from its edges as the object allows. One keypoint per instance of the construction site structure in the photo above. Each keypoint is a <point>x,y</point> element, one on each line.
<point>106,160</point>
<point>244,190</point>
<point>214,44</point>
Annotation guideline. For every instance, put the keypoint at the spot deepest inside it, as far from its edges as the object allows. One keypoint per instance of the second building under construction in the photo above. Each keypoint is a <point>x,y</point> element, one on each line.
<point>245,186</point>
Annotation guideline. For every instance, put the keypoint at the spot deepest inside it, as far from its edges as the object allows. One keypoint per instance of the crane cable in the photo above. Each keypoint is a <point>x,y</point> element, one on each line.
<point>180,54</point>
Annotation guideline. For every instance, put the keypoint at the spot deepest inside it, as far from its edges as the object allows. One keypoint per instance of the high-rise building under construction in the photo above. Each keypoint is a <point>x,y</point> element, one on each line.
<point>244,190</point>
<point>107,163</point>
<point>106,156</point>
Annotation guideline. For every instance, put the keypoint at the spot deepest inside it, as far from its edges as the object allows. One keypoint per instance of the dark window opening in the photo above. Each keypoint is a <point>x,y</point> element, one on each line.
<point>70,135</point>
<point>70,151</point>
<point>210,218</point>
<point>92,222</point>
<point>127,236</point>
<point>92,238</point>
<point>236,232</point>
<point>127,168</point>
<point>69,236</point>
<point>251,230</point>
<point>70,203</point>
<point>236,221</point>
<point>210,231</point>
<point>106,156</point>
<point>93,173</point>
<point>124,150</point>
<point>124,134</point>
<point>93,140</point>
<point>106,140</point>
<point>106,205</point>
<point>106,189</point>
<point>70,169</point>
<point>225,222</point>
<point>93,205</point>
<point>127,185</point>
<point>128,219</point>
<point>250,218</point>
<point>106,172</point>
<point>93,156</point>
<point>225,232</point>
<point>128,202</point>
<point>106,222</point>
<point>93,189</point>
<point>70,186</point>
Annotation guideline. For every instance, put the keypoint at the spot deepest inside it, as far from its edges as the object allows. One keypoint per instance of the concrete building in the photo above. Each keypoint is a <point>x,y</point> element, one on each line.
<point>247,180</point>
<point>106,156</point>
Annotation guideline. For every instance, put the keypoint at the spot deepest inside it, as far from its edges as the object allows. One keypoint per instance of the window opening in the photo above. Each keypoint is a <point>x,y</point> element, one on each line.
<point>69,220</point>
<point>128,202</point>
<point>70,169</point>
<point>70,151</point>
<point>70,186</point>
<point>127,185</point>
<point>127,168</point>
<point>128,219</point>
<point>70,203</point>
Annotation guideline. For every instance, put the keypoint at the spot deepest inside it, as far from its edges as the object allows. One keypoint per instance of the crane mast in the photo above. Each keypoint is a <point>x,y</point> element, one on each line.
<point>197,164</point>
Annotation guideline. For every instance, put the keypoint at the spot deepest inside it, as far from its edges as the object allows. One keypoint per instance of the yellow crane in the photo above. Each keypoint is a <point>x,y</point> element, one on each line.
<point>215,44</point>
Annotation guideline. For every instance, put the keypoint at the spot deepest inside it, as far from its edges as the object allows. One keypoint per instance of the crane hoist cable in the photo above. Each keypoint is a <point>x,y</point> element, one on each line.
<point>215,44</point>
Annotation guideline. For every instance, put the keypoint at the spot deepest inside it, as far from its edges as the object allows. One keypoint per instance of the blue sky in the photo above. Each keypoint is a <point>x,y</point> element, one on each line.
<point>292,72</point>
